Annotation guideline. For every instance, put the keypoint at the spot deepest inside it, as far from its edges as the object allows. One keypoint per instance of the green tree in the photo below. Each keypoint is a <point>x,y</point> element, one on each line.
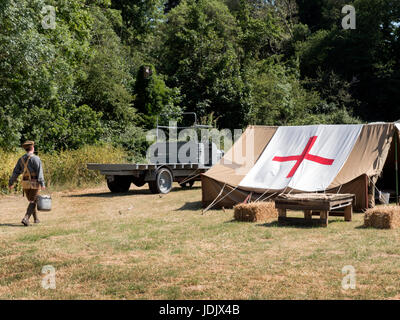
<point>108,83</point>
<point>278,97</point>
<point>39,67</point>
<point>153,97</point>
<point>61,85</point>
<point>201,55</point>
<point>140,18</point>
<point>367,57</point>
<point>262,34</point>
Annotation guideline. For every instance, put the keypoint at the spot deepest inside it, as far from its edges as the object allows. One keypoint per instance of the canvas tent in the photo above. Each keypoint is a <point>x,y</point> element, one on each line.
<point>266,161</point>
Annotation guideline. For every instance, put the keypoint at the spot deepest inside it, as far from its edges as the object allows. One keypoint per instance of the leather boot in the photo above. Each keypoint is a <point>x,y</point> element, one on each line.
<point>29,211</point>
<point>25,220</point>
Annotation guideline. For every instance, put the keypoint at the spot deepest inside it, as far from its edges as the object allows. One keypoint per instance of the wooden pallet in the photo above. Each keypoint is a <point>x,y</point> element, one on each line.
<point>321,204</point>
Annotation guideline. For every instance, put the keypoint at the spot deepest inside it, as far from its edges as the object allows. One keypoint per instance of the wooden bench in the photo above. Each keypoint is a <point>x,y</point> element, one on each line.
<point>322,204</point>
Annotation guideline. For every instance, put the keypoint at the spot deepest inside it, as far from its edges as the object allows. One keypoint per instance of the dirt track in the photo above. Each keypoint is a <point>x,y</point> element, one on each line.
<point>77,203</point>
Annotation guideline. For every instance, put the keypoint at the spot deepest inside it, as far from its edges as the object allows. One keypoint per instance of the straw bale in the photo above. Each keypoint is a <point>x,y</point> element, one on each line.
<point>383,217</point>
<point>255,211</point>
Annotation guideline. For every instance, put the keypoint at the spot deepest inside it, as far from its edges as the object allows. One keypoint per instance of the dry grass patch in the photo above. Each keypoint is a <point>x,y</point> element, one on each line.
<point>255,211</point>
<point>164,248</point>
<point>384,217</point>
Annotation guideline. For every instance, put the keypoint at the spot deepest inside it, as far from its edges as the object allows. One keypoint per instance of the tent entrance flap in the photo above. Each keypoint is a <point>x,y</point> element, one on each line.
<point>388,179</point>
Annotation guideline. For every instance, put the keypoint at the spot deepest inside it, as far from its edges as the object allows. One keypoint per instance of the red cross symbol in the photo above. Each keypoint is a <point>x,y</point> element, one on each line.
<point>305,155</point>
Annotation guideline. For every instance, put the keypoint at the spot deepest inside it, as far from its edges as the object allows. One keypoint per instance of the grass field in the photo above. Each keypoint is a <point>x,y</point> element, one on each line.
<point>143,246</point>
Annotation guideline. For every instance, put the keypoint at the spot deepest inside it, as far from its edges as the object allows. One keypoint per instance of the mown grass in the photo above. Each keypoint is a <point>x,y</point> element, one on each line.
<point>64,169</point>
<point>142,246</point>
<point>34,237</point>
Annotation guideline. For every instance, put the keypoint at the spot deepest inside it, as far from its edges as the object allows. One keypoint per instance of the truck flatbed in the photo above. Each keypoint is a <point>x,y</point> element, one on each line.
<point>139,166</point>
<point>159,176</point>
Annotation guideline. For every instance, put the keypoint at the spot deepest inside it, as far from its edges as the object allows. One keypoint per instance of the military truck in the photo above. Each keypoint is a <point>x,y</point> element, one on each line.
<point>170,161</point>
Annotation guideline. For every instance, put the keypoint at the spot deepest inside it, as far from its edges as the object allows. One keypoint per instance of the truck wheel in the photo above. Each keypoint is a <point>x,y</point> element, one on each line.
<point>120,184</point>
<point>139,181</point>
<point>163,182</point>
<point>187,185</point>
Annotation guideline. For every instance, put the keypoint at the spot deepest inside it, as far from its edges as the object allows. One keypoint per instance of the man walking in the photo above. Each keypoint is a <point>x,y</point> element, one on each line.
<point>31,168</point>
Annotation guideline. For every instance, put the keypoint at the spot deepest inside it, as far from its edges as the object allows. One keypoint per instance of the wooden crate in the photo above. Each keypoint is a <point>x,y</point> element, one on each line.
<point>321,204</point>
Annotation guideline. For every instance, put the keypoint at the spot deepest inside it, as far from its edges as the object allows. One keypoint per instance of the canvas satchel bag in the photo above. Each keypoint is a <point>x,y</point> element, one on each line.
<point>27,181</point>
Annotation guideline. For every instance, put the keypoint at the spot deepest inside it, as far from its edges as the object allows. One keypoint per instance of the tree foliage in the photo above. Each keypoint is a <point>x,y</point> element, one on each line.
<point>60,85</point>
<point>367,57</point>
<point>153,97</point>
<point>201,55</point>
<point>233,62</point>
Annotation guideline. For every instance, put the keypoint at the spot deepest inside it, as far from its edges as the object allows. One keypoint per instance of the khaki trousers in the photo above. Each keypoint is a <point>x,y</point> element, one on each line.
<point>31,194</point>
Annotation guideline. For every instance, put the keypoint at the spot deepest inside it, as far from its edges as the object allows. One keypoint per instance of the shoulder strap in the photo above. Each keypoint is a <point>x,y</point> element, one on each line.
<point>26,167</point>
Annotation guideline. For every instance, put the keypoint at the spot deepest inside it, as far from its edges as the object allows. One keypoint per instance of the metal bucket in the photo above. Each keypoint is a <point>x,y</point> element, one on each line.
<point>44,203</point>
<point>384,197</point>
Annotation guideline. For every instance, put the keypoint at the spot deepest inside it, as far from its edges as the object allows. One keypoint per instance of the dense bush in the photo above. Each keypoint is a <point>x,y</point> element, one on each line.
<point>64,168</point>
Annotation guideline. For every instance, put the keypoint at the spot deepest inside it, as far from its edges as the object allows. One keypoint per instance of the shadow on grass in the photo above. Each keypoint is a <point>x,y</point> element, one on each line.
<point>300,224</point>
<point>12,225</point>
<point>368,228</point>
<point>233,221</point>
<point>186,188</point>
<point>275,223</point>
<point>121,194</point>
<point>108,194</point>
<point>191,206</point>
<point>303,225</point>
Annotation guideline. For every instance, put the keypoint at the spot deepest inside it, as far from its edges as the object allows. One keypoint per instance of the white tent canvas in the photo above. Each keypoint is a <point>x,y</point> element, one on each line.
<point>305,158</point>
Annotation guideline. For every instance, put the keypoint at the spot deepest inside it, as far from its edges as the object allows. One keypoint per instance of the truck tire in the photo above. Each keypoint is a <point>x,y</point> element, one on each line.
<point>163,182</point>
<point>138,181</point>
<point>120,184</point>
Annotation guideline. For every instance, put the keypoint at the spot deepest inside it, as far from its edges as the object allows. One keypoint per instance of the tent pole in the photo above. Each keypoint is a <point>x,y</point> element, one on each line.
<point>397,167</point>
